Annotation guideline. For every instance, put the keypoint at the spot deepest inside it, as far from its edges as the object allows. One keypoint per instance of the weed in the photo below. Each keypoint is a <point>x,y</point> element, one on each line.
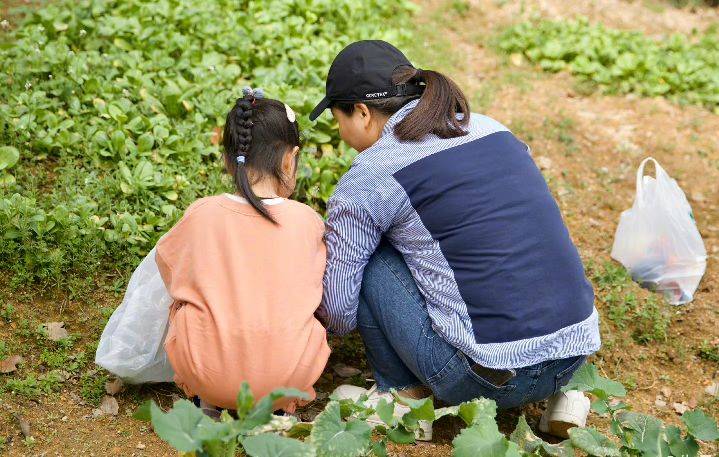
<point>647,319</point>
<point>460,7</point>
<point>6,312</point>
<point>709,352</point>
<point>92,386</point>
<point>33,386</point>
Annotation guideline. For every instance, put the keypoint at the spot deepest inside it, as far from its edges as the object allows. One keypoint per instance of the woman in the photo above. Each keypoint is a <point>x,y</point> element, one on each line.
<point>446,248</point>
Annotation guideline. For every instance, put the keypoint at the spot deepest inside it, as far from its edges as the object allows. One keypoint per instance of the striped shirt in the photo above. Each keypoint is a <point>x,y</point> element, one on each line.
<point>482,236</point>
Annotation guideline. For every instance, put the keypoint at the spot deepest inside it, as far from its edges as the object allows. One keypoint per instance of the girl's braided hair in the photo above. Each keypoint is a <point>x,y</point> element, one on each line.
<point>258,133</point>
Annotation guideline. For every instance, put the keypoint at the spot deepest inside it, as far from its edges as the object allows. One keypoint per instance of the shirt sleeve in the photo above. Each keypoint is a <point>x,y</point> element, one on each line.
<point>352,237</point>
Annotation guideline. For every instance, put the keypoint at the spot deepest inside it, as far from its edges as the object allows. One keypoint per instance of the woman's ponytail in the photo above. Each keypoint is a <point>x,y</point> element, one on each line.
<point>438,108</point>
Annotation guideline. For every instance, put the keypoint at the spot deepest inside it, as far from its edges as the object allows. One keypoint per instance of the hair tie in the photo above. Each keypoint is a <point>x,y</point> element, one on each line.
<point>240,160</point>
<point>253,94</point>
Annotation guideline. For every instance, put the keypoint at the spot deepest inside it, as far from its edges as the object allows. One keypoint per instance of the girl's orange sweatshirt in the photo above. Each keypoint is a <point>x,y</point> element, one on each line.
<point>245,292</point>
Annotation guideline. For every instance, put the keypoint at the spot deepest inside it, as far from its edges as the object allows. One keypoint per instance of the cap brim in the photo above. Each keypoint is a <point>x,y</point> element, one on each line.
<point>321,106</point>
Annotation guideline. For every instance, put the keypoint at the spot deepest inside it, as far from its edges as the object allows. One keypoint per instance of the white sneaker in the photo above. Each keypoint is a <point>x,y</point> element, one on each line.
<point>349,392</point>
<point>565,410</point>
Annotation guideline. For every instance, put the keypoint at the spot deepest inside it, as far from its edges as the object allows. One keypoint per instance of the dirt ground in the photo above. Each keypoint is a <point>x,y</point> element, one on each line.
<point>589,147</point>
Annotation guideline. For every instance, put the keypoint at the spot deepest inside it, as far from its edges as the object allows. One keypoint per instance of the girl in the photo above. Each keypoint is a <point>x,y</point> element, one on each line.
<point>245,270</point>
<point>446,248</point>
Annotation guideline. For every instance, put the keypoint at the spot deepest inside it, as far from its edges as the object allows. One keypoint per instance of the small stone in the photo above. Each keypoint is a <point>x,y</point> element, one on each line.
<point>517,59</point>
<point>10,364</point>
<point>543,162</point>
<point>659,403</point>
<point>140,446</point>
<point>666,391</point>
<point>698,197</point>
<point>56,331</point>
<point>24,425</point>
<point>345,371</point>
<point>108,406</point>
<point>680,408</point>
<point>713,389</point>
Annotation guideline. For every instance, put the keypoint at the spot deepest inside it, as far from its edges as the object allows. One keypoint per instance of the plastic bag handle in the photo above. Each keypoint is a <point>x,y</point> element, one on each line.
<point>640,174</point>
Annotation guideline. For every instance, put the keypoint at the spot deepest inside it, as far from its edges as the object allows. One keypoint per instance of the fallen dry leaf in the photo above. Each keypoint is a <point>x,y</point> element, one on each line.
<point>666,391</point>
<point>108,406</point>
<point>216,136</point>
<point>56,330</point>
<point>10,364</point>
<point>114,386</point>
<point>345,371</point>
<point>713,389</point>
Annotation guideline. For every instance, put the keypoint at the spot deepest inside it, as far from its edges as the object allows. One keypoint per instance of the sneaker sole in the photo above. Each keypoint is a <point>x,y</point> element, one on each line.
<point>560,428</point>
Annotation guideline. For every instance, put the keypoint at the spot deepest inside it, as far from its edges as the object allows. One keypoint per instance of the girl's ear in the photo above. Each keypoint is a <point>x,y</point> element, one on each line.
<point>289,162</point>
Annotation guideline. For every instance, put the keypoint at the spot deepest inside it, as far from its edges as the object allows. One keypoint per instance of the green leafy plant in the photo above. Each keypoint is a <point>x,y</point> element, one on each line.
<point>352,428</point>
<point>680,67</point>
<point>111,114</point>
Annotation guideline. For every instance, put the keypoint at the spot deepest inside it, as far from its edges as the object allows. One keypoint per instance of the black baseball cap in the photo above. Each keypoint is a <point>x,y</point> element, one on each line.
<point>363,71</point>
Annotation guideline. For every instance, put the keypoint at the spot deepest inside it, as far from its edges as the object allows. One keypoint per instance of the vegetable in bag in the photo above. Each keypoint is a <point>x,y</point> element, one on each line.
<point>132,344</point>
<point>657,239</point>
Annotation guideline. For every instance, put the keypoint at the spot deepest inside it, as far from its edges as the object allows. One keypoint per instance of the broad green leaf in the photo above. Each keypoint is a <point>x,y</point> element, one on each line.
<point>419,409</point>
<point>684,447</point>
<point>385,411</point>
<point>647,435</point>
<point>245,401</point>
<point>8,157</point>
<point>261,414</point>
<point>594,443</point>
<point>379,448</point>
<point>143,412</point>
<point>334,437</point>
<point>477,409</point>
<point>145,142</point>
<point>483,438</point>
<point>400,435</point>
<point>179,427</point>
<point>588,379</point>
<point>701,426</point>
<point>527,441</point>
<point>300,430</point>
<point>271,445</point>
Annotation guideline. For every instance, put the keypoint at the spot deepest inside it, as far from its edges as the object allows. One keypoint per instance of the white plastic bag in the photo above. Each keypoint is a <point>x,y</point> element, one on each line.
<point>132,344</point>
<point>657,239</point>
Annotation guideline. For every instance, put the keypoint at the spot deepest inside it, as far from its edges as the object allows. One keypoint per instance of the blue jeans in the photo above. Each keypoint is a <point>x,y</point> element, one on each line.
<point>405,351</point>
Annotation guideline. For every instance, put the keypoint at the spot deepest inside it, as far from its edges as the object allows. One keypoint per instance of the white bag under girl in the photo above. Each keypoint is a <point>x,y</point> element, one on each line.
<point>132,344</point>
<point>657,239</point>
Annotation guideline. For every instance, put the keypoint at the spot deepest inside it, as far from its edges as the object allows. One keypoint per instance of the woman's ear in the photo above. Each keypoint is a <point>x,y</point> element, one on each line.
<point>364,115</point>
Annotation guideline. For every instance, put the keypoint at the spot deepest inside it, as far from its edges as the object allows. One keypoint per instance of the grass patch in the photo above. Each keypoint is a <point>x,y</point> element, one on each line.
<point>709,352</point>
<point>682,68</point>
<point>646,319</point>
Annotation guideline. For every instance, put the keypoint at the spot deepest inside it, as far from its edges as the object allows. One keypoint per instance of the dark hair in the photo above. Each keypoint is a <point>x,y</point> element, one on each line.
<point>435,113</point>
<point>259,130</point>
